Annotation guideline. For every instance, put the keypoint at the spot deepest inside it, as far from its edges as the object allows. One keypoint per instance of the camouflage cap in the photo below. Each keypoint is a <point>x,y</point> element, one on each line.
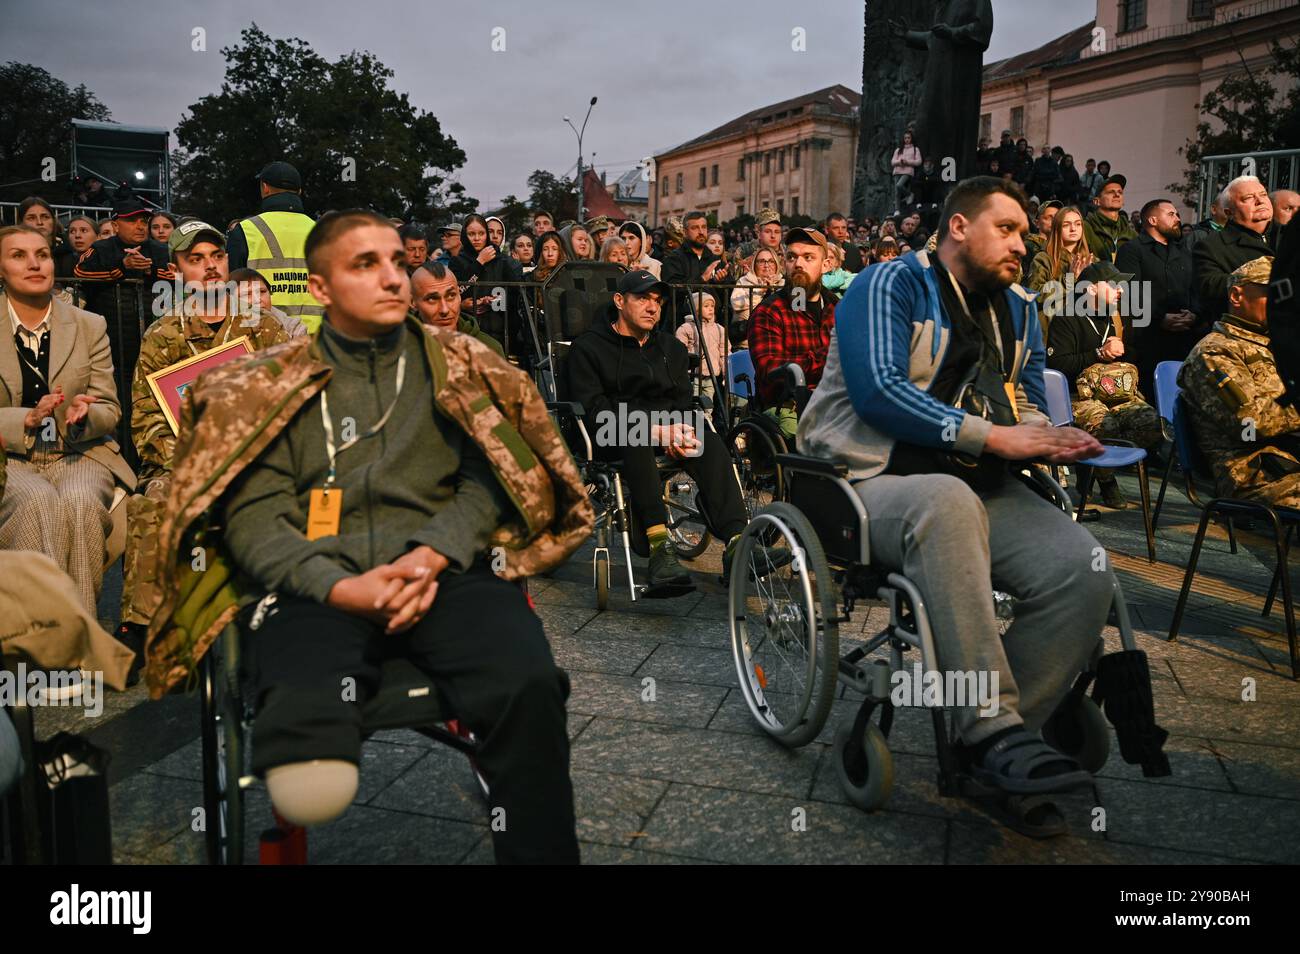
<point>674,229</point>
<point>184,236</point>
<point>766,215</point>
<point>599,223</point>
<point>1258,271</point>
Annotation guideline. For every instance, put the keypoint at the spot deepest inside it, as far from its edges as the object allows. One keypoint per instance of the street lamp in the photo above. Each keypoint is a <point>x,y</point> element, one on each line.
<point>578,132</point>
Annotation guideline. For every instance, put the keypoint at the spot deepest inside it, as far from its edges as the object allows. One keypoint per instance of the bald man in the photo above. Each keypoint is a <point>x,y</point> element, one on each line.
<point>1285,203</point>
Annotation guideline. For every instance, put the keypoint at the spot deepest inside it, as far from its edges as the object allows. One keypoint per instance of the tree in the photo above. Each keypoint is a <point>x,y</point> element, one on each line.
<point>557,196</point>
<point>1249,114</point>
<point>36,113</point>
<point>515,214</point>
<point>355,141</point>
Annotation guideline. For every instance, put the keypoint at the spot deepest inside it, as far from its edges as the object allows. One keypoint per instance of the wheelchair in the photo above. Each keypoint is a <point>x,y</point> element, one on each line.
<point>785,637</point>
<point>570,300</point>
<point>754,438</point>
<point>406,698</point>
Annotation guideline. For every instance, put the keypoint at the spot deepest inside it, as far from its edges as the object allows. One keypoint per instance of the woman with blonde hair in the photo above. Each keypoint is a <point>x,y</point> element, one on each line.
<point>1066,252</point>
<point>578,243</point>
<point>614,249</point>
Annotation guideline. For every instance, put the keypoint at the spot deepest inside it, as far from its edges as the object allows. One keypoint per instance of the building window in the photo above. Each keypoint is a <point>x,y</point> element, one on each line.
<point>740,209</point>
<point>713,174</point>
<point>679,182</point>
<point>780,161</point>
<point>740,169</point>
<point>1017,121</point>
<point>1132,15</point>
<point>780,206</point>
<point>794,205</point>
<point>767,163</point>
<point>703,175</point>
<point>986,126</point>
<point>664,190</point>
<point>1200,9</point>
<point>796,157</point>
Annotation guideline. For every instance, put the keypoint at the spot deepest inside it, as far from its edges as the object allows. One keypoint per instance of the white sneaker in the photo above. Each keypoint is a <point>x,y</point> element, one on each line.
<point>67,691</point>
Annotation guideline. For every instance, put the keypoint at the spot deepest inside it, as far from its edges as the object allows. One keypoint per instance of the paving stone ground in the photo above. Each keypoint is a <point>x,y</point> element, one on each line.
<point>690,778</point>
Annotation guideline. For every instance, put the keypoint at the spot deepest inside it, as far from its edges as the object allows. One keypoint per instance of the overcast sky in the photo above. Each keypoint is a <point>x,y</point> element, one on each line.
<point>664,71</point>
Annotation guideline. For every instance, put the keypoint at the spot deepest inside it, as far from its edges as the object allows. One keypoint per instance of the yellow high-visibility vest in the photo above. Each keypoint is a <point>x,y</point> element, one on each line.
<point>276,243</point>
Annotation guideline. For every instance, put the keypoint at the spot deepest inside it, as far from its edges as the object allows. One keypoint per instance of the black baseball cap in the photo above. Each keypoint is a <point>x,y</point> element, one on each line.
<point>280,175</point>
<point>1104,271</point>
<point>639,281</point>
<point>1122,180</point>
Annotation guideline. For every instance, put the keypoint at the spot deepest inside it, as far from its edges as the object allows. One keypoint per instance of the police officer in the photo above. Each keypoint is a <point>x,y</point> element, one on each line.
<point>208,315</point>
<point>1232,386</point>
<point>272,242</point>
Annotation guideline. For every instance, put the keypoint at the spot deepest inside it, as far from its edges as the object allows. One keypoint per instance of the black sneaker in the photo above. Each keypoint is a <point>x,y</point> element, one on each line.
<point>668,578</point>
<point>132,635</point>
<point>767,558</point>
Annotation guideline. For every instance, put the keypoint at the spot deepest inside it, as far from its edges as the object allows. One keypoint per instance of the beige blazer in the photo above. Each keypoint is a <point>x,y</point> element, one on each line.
<point>80,360</point>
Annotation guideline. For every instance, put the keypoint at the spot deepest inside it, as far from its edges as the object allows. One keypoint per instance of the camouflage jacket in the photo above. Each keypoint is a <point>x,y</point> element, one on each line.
<point>172,338</point>
<point>234,412</point>
<point>1231,384</point>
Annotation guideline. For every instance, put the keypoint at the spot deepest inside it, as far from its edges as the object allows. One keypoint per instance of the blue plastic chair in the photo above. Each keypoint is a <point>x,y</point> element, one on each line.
<point>1170,401</point>
<point>1115,454</point>
<point>740,374</point>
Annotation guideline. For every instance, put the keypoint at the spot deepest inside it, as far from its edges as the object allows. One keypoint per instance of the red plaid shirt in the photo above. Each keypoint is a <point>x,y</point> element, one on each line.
<point>778,334</point>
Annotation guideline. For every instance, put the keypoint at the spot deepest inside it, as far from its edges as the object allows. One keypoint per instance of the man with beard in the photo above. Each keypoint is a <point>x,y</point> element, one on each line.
<point>1159,259</point>
<point>909,335</point>
<point>1106,227</point>
<point>206,317</point>
<point>793,326</point>
<point>691,264</point>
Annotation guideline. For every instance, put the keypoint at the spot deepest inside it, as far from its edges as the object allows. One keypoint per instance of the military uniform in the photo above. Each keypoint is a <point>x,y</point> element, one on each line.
<point>170,339</point>
<point>1110,407</point>
<point>745,251</point>
<point>1232,386</point>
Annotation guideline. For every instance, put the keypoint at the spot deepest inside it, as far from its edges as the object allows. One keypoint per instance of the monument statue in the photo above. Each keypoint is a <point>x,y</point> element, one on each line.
<point>948,124</point>
<point>927,80</point>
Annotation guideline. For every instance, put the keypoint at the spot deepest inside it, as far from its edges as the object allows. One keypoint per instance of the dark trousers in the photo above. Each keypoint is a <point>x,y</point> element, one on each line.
<point>720,500</point>
<point>488,656</point>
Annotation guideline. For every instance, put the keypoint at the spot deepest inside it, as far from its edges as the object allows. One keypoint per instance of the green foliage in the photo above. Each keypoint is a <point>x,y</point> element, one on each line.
<point>515,214</point>
<point>1246,113</point>
<point>36,113</point>
<point>555,195</point>
<point>355,141</point>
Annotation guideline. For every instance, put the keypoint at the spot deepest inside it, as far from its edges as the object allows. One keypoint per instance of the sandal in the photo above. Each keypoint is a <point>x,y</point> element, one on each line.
<point>1031,815</point>
<point>1009,764</point>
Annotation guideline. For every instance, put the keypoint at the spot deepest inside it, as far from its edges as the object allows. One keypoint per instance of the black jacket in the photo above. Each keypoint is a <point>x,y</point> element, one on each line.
<point>682,266</point>
<point>1218,254</point>
<point>1045,180</point>
<point>1168,269</point>
<point>605,369</point>
<point>1072,343</point>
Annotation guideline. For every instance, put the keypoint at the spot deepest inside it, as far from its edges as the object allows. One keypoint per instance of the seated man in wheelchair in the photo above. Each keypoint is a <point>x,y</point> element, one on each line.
<point>369,519</point>
<point>1233,386</point>
<point>924,399</point>
<point>793,327</point>
<point>628,373</point>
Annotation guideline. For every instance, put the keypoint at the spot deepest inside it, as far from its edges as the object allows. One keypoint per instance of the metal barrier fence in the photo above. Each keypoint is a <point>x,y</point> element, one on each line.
<point>9,212</point>
<point>1276,169</point>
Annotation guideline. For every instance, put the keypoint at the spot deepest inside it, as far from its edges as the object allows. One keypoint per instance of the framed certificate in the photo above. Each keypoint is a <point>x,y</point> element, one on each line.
<point>170,384</point>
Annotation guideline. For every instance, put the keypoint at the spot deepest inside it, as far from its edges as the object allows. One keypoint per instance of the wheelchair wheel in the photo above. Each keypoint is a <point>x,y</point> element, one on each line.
<point>600,564</point>
<point>784,626</point>
<point>686,527</point>
<point>1078,729</point>
<point>754,450</point>
<point>865,770</point>
<point>223,761</point>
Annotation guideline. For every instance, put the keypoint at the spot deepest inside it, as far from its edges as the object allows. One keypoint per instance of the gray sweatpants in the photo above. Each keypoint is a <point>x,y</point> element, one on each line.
<point>957,547</point>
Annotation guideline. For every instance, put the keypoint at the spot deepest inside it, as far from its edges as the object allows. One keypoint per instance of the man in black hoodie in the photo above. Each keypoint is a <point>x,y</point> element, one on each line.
<point>630,376</point>
<point>691,264</point>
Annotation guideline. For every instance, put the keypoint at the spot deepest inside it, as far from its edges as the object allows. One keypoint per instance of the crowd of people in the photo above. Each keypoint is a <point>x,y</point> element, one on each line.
<point>364,515</point>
